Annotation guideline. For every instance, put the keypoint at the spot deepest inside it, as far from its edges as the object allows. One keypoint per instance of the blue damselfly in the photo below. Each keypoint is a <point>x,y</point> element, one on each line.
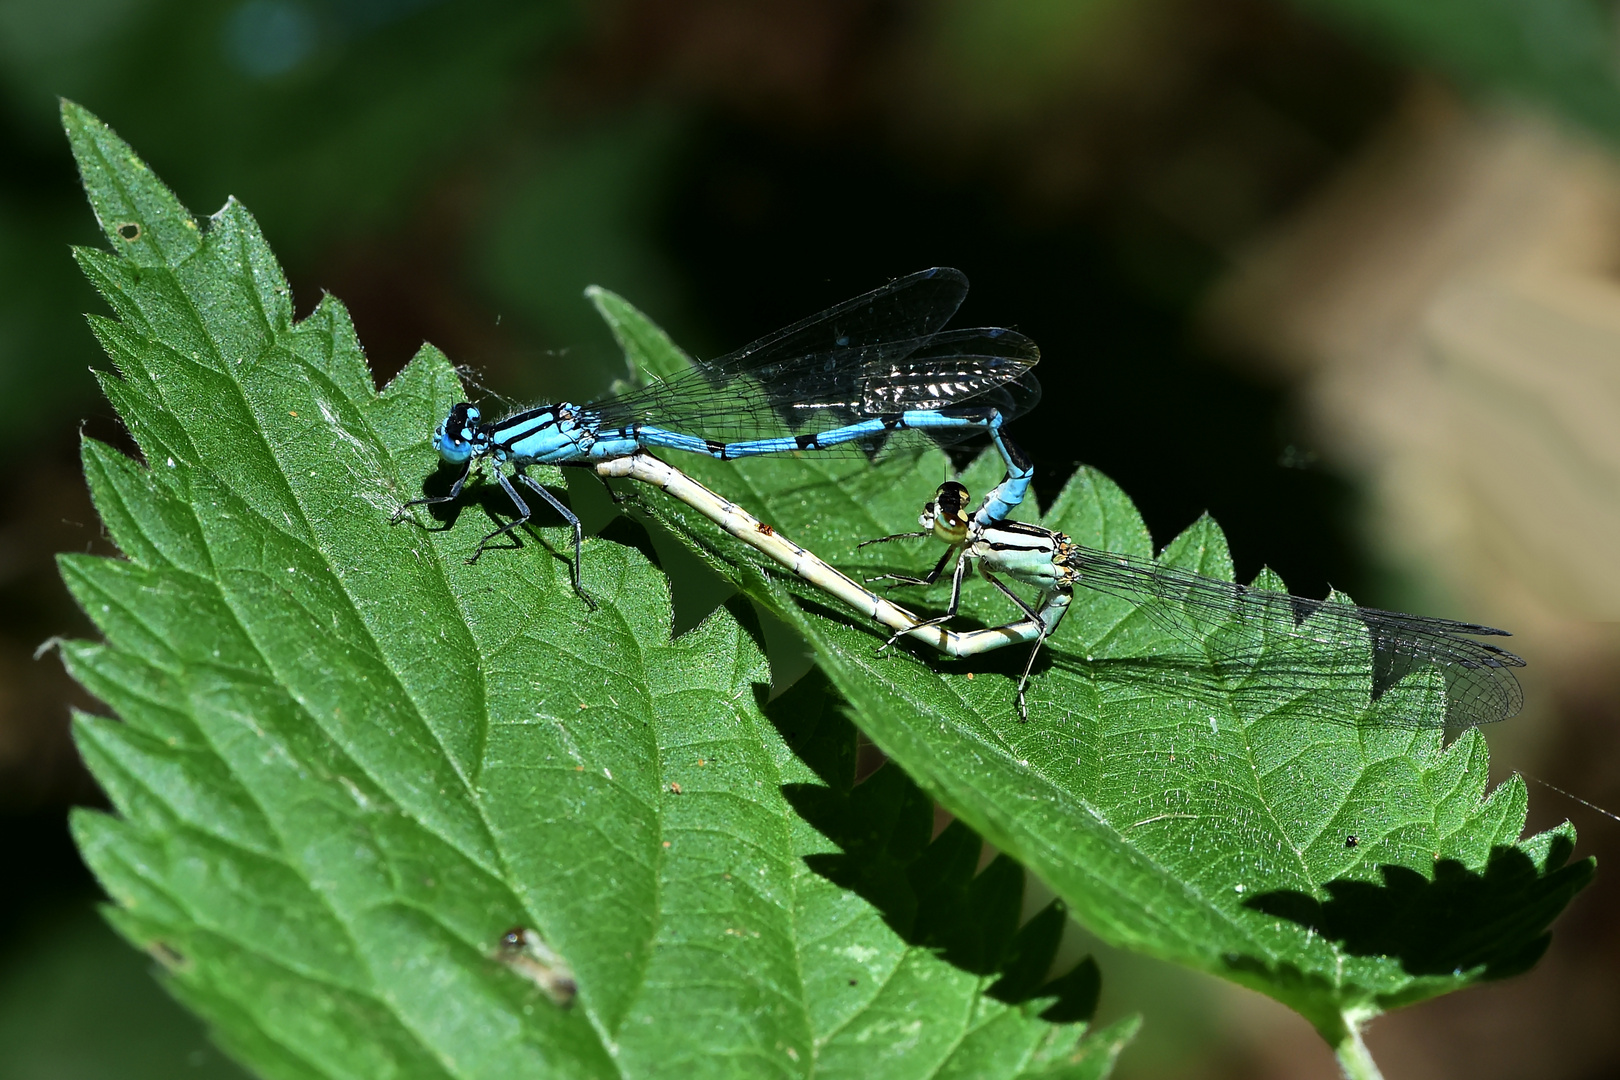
<point>862,376</point>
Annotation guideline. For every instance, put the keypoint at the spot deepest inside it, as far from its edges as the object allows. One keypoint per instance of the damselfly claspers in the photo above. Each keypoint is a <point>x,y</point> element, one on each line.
<point>1279,648</point>
<point>860,376</point>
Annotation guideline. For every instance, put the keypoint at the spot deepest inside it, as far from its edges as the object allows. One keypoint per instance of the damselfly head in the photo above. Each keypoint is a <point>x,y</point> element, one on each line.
<point>459,436</point>
<point>947,516</point>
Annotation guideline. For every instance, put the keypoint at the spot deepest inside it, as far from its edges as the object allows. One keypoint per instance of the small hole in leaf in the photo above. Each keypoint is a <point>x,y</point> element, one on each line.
<point>130,231</point>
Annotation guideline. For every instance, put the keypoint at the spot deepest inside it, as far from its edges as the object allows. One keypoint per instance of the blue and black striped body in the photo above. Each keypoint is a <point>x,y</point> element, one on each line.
<point>863,376</point>
<point>571,435</point>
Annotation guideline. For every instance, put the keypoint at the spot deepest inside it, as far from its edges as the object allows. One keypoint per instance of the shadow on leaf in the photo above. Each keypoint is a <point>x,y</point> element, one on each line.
<point>482,491</point>
<point>1455,922</point>
<point>929,891</point>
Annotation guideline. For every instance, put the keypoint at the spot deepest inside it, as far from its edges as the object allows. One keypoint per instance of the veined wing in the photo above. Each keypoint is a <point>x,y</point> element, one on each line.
<point>888,323</point>
<point>1261,640</point>
<point>877,354</point>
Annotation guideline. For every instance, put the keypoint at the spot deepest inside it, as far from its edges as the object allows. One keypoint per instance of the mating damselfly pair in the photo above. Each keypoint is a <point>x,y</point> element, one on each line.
<point>880,372</point>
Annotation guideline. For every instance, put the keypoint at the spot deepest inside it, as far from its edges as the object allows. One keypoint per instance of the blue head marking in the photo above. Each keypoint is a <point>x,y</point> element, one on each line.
<point>458,437</point>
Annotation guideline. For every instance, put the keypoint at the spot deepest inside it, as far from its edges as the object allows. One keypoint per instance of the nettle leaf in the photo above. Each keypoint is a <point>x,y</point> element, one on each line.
<point>347,763</point>
<point>1342,868</point>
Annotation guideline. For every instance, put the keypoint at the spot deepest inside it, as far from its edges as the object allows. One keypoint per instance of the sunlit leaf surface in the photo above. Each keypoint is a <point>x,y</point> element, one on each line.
<point>346,763</point>
<point>1343,866</point>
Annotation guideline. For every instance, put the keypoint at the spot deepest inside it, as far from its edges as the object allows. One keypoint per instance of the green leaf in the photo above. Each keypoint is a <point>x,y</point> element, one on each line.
<point>347,762</point>
<point>1342,868</point>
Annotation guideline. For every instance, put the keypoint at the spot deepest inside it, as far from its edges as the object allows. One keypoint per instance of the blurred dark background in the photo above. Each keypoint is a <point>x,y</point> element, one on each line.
<point>1271,252</point>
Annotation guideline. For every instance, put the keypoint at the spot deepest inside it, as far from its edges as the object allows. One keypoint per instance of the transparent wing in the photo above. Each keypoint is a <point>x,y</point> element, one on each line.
<point>877,354</point>
<point>1273,643</point>
<point>888,323</point>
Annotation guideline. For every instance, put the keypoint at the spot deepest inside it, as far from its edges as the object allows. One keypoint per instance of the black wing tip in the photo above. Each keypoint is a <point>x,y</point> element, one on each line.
<point>1447,626</point>
<point>1502,656</point>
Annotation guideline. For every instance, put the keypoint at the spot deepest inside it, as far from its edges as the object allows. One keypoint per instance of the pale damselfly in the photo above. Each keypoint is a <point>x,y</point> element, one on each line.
<point>1277,647</point>
<point>807,566</point>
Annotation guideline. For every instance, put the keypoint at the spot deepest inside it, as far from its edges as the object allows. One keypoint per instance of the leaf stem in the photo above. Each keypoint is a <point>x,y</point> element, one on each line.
<point>1354,1057</point>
